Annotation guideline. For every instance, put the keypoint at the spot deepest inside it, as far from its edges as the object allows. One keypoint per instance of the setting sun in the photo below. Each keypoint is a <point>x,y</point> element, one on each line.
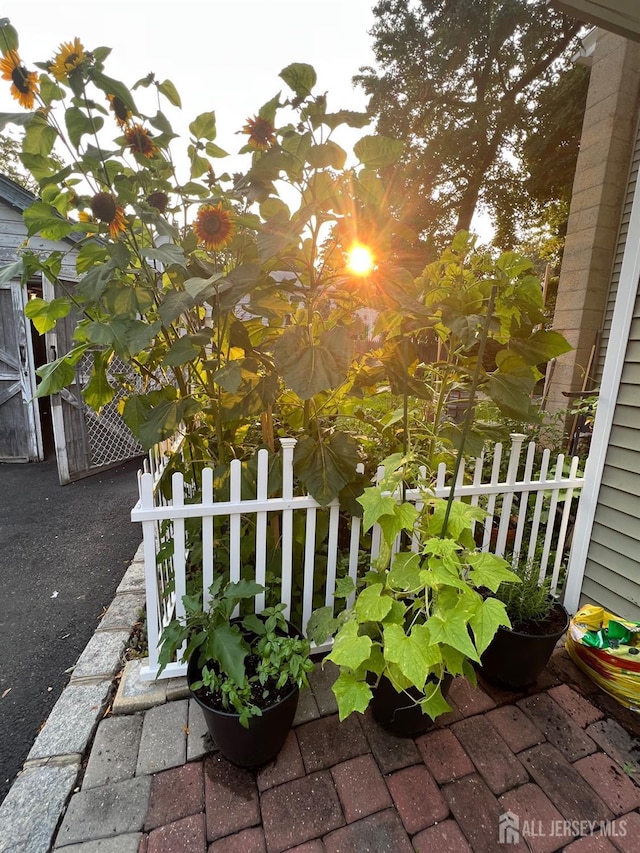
<point>360,260</point>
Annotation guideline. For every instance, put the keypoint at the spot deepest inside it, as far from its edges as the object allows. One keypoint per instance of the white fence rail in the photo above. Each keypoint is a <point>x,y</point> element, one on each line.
<point>302,548</point>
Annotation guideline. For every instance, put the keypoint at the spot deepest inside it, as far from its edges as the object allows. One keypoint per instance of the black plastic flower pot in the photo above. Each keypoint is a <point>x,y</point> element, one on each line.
<point>253,746</point>
<point>398,713</point>
<point>515,659</point>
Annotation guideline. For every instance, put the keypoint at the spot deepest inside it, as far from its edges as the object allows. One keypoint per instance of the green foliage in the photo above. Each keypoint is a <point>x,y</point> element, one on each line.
<point>223,645</point>
<point>233,307</point>
<point>530,600</point>
<point>469,86</point>
<point>419,613</point>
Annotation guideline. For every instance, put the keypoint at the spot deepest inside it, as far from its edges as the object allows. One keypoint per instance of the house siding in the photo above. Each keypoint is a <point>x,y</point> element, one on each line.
<point>617,263</point>
<point>612,571</point>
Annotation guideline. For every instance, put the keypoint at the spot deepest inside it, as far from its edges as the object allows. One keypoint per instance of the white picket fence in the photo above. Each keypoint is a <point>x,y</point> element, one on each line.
<point>522,511</point>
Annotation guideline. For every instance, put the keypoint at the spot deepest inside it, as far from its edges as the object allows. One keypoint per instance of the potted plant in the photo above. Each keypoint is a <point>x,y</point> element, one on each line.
<point>419,616</point>
<point>244,671</point>
<point>516,656</point>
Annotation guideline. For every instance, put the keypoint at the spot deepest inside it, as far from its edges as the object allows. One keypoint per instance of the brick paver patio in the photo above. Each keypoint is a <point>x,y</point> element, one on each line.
<point>564,759</point>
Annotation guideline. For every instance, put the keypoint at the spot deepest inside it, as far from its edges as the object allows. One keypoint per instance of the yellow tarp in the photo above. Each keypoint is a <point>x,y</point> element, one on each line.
<point>616,668</point>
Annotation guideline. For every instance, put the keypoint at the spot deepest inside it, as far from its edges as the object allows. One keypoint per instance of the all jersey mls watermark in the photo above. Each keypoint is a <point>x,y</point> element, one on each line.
<point>513,830</point>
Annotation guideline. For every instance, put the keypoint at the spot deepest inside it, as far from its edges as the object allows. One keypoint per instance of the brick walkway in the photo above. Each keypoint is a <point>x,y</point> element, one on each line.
<point>562,760</point>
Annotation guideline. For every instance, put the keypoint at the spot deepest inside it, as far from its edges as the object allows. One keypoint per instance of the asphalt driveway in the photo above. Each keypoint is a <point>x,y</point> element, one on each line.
<point>63,551</point>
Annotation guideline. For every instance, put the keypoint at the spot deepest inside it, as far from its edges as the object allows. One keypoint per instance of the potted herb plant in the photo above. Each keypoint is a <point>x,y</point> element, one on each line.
<point>516,656</point>
<point>245,671</point>
<point>419,617</point>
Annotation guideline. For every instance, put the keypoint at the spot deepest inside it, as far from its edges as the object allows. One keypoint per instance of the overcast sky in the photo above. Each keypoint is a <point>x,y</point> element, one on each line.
<point>224,56</point>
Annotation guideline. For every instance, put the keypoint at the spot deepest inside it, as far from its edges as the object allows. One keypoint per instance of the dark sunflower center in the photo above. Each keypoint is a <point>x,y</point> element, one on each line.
<point>120,108</point>
<point>103,207</point>
<point>72,59</point>
<point>212,225</point>
<point>262,131</point>
<point>20,79</point>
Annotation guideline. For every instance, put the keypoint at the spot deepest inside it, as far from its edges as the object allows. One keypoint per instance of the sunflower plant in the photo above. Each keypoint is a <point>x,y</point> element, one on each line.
<point>227,294</point>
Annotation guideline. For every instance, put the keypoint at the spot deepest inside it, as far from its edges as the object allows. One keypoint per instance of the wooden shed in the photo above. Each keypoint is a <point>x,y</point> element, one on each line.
<point>30,428</point>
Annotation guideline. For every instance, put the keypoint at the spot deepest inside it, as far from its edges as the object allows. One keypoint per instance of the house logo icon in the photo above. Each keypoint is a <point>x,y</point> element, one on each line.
<point>509,828</point>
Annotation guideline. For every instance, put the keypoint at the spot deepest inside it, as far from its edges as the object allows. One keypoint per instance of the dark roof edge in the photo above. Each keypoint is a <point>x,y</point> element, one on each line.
<point>14,194</point>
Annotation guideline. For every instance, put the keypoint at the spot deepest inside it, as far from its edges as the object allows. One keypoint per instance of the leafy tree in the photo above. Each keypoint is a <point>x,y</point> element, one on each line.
<point>10,149</point>
<point>464,82</point>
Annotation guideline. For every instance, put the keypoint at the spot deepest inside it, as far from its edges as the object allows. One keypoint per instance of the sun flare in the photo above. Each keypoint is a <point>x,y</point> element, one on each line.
<point>359,260</point>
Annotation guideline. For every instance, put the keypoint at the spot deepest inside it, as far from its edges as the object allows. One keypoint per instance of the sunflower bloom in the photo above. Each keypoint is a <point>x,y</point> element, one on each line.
<point>24,84</point>
<point>105,208</point>
<point>70,56</point>
<point>120,110</point>
<point>139,141</point>
<point>213,226</point>
<point>261,133</point>
<point>159,200</point>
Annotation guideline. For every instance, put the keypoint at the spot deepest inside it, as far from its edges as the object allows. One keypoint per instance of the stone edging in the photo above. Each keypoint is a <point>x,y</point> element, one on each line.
<point>32,809</point>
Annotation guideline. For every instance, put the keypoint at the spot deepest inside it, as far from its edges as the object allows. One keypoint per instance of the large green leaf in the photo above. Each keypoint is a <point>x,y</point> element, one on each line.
<point>175,303</point>
<point>541,346</point>
<point>98,392</point>
<point>170,92</point>
<point>325,465</point>
<point>161,421</point>
<point>371,605</point>
<point>229,650</point>
<point>204,126</point>
<point>321,625</point>
<point>453,630</point>
<point>79,124</point>
<point>350,649</point>
<point>375,506</point>
<point>55,376</point>
<point>511,394</point>
<point>8,36</point>
<point>44,219</point>
<point>10,271</point>
<point>408,653</point>
<point>348,117</point>
<point>489,570</point>
<point>199,288</point>
<point>308,367</point>
<point>300,77</point>
<point>229,377</point>
<point>402,518</point>
<point>94,283</point>
<point>39,137</point>
<point>326,154</point>
<point>405,572</point>
<point>434,704</point>
<point>20,119</point>
<point>486,619</point>
<point>352,694</point>
<point>184,349</point>
<point>44,315</point>
<point>114,87</point>
<point>167,254</point>
<point>375,152</point>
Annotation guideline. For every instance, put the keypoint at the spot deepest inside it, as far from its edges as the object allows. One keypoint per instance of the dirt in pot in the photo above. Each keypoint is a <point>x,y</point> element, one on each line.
<point>555,622</point>
<point>262,695</point>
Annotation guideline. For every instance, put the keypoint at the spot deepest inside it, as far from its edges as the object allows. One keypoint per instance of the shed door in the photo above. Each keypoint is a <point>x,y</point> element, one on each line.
<point>20,435</point>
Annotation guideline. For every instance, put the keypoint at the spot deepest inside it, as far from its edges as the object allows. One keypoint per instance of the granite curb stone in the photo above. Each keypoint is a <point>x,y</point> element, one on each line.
<point>72,721</point>
<point>31,810</point>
